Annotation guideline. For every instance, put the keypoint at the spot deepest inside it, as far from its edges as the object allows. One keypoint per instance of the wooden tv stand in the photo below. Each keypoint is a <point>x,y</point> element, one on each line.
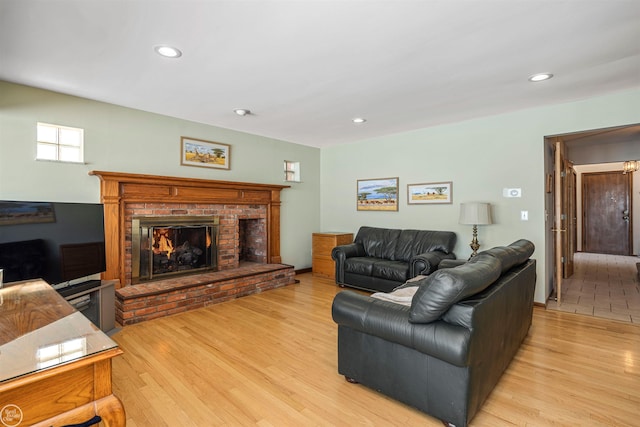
<point>55,365</point>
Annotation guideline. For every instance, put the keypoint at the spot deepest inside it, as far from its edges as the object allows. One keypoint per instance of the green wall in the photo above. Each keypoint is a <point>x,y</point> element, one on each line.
<point>481,157</point>
<point>125,140</point>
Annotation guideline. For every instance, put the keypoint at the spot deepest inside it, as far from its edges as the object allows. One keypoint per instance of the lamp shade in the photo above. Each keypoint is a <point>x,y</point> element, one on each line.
<point>475,213</point>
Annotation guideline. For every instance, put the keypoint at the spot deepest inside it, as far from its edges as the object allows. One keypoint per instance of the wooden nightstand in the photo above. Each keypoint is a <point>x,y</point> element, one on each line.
<point>322,244</point>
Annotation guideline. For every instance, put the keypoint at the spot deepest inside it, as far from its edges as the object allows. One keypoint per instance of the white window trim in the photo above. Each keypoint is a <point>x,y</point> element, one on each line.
<point>291,168</point>
<point>58,145</point>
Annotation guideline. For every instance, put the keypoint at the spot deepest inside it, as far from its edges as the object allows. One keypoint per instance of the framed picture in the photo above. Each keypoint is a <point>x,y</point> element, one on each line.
<point>377,194</point>
<point>206,154</point>
<point>430,193</point>
<point>12,213</point>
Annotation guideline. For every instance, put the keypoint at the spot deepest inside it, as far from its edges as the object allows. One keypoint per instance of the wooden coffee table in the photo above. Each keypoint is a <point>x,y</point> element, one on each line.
<point>55,365</point>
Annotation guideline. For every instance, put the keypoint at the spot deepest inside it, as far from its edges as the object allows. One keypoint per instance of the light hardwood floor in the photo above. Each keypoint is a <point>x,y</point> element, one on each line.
<point>270,360</point>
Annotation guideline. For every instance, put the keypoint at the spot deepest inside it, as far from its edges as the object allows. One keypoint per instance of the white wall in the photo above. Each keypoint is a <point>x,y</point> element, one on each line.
<point>125,140</point>
<point>481,157</point>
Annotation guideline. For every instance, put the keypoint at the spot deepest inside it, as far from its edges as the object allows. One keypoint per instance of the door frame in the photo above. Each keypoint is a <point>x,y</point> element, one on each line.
<point>564,222</point>
<point>622,139</point>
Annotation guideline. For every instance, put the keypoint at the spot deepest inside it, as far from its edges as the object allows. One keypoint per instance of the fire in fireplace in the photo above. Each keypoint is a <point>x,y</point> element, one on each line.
<point>170,245</point>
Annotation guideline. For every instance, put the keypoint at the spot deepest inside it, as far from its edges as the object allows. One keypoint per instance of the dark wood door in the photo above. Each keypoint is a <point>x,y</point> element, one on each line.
<point>606,211</point>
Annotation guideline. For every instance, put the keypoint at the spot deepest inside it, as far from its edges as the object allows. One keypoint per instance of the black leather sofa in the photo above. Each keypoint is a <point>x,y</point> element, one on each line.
<point>447,347</point>
<point>380,259</point>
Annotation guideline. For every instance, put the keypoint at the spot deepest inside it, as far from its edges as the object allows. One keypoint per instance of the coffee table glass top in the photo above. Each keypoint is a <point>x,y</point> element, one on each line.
<point>40,330</point>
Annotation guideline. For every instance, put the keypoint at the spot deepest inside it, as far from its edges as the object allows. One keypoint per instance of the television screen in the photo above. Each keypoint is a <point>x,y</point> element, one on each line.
<point>58,242</point>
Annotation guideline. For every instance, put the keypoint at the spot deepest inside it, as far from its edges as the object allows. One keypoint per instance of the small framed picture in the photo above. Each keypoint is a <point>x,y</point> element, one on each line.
<point>379,194</point>
<point>205,154</point>
<point>12,213</point>
<point>430,193</point>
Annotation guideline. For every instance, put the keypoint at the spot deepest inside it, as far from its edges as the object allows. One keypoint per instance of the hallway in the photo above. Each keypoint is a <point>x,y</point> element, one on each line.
<point>602,286</point>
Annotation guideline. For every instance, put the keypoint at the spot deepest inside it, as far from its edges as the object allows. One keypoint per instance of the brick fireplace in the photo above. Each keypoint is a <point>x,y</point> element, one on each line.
<point>248,230</point>
<point>231,217</point>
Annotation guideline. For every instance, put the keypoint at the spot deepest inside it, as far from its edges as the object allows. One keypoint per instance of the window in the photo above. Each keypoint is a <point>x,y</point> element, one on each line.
<point>291,171</point>
<point>60,143</point>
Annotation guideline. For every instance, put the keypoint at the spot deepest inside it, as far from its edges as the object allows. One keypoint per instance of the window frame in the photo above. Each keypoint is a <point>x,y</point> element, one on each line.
<point>59,145</point>
<point>291,171</point>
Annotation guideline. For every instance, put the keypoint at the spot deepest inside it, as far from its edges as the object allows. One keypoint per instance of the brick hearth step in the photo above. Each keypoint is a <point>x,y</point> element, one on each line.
<point>146,301</point>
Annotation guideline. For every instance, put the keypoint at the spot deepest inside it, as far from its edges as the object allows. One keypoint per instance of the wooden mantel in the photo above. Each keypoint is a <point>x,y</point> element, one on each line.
<point>117,189</point>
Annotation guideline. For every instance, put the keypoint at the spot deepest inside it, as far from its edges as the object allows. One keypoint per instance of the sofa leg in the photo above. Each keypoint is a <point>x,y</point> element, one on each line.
<point>350,380</point>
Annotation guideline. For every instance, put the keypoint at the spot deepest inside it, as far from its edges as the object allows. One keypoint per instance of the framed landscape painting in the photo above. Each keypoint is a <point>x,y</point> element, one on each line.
<point>430,193</point>
<point>377,194</point>
<point>206,154</point>
<point>12,213</point>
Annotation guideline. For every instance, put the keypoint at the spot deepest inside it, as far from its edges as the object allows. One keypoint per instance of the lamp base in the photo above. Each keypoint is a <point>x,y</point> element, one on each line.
<point>474,242</point>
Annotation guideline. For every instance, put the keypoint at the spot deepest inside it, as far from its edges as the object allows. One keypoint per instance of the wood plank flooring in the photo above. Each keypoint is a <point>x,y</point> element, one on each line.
<point>270,360</point>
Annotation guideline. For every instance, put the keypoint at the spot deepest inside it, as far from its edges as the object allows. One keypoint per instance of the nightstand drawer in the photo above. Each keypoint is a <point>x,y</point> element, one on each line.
<point>324,267</point>
<point>322,245</point>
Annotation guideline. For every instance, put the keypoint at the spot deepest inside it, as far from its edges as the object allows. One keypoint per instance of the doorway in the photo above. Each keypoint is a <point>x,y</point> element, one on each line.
<point>601,150</point>
<point>606,208</point>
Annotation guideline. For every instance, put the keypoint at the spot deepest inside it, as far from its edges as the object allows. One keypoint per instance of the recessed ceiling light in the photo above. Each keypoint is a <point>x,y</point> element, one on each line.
<point>168,51</point>
<point>242,111</point>
<point>358,120</point>
<point>540,77</point>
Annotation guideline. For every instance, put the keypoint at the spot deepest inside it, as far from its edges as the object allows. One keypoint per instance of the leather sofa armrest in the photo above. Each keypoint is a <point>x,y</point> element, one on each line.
<point>426,263</point>
<point>347,251</point>
<point>340,253</point>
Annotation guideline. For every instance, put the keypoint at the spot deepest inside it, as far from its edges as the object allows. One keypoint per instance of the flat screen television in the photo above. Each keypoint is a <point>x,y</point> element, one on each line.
<point>55,241</point>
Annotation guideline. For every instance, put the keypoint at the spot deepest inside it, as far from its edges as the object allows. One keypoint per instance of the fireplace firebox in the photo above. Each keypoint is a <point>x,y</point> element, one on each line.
<point>171,245</point>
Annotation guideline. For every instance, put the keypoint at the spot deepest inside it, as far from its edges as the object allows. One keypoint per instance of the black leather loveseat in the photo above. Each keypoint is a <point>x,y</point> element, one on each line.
<point>380,259</point>
<point>443,349</point>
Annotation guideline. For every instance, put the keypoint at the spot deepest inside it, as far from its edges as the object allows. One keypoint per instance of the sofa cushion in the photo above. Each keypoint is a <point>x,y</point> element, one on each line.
<point>360,265</point>
<point>378,242</point>
<point>405,245</point>
<point>442,289</point>
<point>429,241</point>
<point>415,242</point>
<point>398,271</point>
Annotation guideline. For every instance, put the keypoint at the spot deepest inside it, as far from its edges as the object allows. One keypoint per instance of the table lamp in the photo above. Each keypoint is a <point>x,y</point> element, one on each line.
<point>475,214</point>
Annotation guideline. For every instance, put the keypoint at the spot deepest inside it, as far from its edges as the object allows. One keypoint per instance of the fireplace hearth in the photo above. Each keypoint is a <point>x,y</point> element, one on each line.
<point>173,245</point>
<point>126,196</point>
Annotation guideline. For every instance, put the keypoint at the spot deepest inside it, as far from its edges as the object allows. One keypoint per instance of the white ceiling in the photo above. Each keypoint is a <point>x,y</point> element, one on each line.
<point>306,68</point>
